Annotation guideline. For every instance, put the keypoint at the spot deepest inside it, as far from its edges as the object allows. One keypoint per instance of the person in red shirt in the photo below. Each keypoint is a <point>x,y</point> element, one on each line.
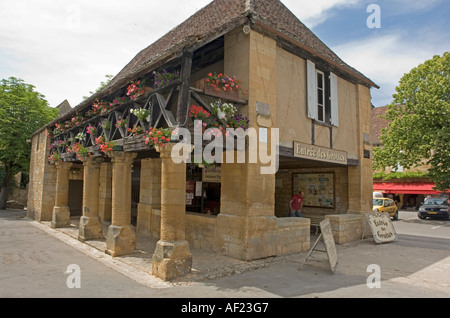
<point>296,205</point>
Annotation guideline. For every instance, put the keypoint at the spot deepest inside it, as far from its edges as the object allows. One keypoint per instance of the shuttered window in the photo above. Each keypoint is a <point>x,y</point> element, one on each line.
<point>323,103</point>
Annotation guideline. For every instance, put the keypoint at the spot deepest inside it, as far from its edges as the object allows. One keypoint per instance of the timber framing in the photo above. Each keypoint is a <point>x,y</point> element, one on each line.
<point>164,107</point>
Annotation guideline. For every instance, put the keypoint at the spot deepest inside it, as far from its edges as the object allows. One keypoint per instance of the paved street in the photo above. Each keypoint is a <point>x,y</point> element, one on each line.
<point>34,260</point>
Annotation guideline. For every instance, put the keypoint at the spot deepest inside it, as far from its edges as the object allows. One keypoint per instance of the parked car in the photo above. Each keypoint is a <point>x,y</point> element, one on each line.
<point>381,205</point>
<point>434,207</point>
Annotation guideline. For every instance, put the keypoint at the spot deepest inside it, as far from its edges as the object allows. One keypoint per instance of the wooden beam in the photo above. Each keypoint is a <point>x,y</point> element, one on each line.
<point>183,97</point>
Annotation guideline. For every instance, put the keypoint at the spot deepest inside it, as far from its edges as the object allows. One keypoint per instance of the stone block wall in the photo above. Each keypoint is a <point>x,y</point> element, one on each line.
<point>201,230</point>
<point>105,192</point>
<point>150,197</point>
<point>346,228</point>
<point>41,189</point>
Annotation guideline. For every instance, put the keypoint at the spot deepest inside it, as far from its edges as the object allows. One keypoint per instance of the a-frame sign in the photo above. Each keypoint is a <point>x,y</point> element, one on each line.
<point>330,247</point>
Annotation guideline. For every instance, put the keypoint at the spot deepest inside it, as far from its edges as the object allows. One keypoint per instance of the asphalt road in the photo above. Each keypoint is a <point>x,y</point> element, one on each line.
<point>34,264</point>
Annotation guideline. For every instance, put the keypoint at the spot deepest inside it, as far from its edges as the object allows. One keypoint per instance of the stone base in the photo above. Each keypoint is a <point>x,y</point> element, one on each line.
<point>90,228</point>
<point>120,240</point>
<point>60,217</point>
<point>171,260</point>
<point>257,237</point>
<point>346,228</point>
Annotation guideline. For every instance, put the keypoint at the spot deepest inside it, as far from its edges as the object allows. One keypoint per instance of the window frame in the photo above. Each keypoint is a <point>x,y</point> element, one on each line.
<point>330,114</point>
<point>321,91</point>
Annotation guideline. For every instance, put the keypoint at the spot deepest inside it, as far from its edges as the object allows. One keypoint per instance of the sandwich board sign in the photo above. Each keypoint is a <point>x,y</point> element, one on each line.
<point>381,226</point>
<point>326,236</point>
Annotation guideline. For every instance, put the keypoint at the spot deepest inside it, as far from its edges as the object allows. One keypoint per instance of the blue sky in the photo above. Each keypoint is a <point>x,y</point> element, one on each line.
<point>65,48</point>
<point>411,32</point>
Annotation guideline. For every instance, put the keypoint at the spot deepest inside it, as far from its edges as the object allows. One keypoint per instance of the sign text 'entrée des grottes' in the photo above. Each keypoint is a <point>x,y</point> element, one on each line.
<point>319,153</point>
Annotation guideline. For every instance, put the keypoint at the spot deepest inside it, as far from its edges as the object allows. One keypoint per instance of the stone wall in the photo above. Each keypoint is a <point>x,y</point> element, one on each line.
<point>281,236</point>
<point>346,228</point>
<point>201,230</point>
<point>41,189</point>
<point>150,196</point>
<point>105,192</point>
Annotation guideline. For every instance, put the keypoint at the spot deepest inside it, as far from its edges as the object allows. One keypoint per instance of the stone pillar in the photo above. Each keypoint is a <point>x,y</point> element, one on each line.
<point>121,237</point>
<point>360,178</point>
<point>90,223</point>
<point>61,210</point>
<point>247,223</point>
<point>172,257</point>
<point>247,228</point>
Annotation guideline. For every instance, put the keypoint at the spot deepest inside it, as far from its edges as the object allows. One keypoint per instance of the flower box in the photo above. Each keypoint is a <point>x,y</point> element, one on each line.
<point>135,143</point>
<point>231,95</point>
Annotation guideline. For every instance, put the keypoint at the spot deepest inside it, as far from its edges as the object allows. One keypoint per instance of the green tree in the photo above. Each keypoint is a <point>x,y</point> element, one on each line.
<point>22,112</point>
<point>419,129</point>
<point>103,84</point>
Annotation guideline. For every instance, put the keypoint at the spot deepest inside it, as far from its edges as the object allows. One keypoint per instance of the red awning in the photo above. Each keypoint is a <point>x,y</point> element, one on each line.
<point>405,188</point>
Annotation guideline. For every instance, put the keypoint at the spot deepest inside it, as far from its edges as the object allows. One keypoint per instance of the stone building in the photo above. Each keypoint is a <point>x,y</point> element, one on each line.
<point>302,102</point>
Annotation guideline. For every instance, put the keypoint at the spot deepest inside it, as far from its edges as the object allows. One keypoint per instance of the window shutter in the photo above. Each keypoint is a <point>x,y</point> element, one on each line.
<point>334,100</point>
<point>311,89</point>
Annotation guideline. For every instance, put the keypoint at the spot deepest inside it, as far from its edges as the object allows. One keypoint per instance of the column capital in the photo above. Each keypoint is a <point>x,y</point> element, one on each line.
<point>63,165</point>
<point>180,153</point>
<point>89,161</point>
<point>122,157</point>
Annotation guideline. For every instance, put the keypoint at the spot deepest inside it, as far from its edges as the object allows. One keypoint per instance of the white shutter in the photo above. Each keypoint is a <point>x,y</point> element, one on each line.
<point>334,100</point>
<point>311,79</point>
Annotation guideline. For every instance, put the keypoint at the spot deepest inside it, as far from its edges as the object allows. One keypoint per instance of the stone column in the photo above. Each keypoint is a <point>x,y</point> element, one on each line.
<point>90,223</point>
<point>121,237</point>
<point>360,178</point>
<point>172,257</point>
<point>61,210</point>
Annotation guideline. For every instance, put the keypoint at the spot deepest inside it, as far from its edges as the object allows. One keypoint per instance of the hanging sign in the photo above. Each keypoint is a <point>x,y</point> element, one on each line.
<point>212,176</point>
<point>312,152</point>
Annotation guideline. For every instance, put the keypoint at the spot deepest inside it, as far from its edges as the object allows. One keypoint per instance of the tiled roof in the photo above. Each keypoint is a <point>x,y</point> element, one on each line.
<point>220,13</point>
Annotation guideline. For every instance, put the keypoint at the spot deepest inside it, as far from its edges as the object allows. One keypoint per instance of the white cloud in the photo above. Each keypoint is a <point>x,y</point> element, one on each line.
<point>312,13</point>
<point>65,49</point>
<point>385,59</point>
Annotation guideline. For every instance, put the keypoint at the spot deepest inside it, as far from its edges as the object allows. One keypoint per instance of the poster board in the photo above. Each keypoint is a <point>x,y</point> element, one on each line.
<point>382,228</point>
<point>318,189</point>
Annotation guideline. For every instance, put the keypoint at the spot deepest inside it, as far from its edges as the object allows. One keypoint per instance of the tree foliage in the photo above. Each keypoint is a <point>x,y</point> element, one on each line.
<point>22,112</point>
<point>103,84</point>
<point>419,129</point>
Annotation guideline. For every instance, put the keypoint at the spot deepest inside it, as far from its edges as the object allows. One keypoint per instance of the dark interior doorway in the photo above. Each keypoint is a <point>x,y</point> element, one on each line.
<point>76,197</point>
<point>135,191</point>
